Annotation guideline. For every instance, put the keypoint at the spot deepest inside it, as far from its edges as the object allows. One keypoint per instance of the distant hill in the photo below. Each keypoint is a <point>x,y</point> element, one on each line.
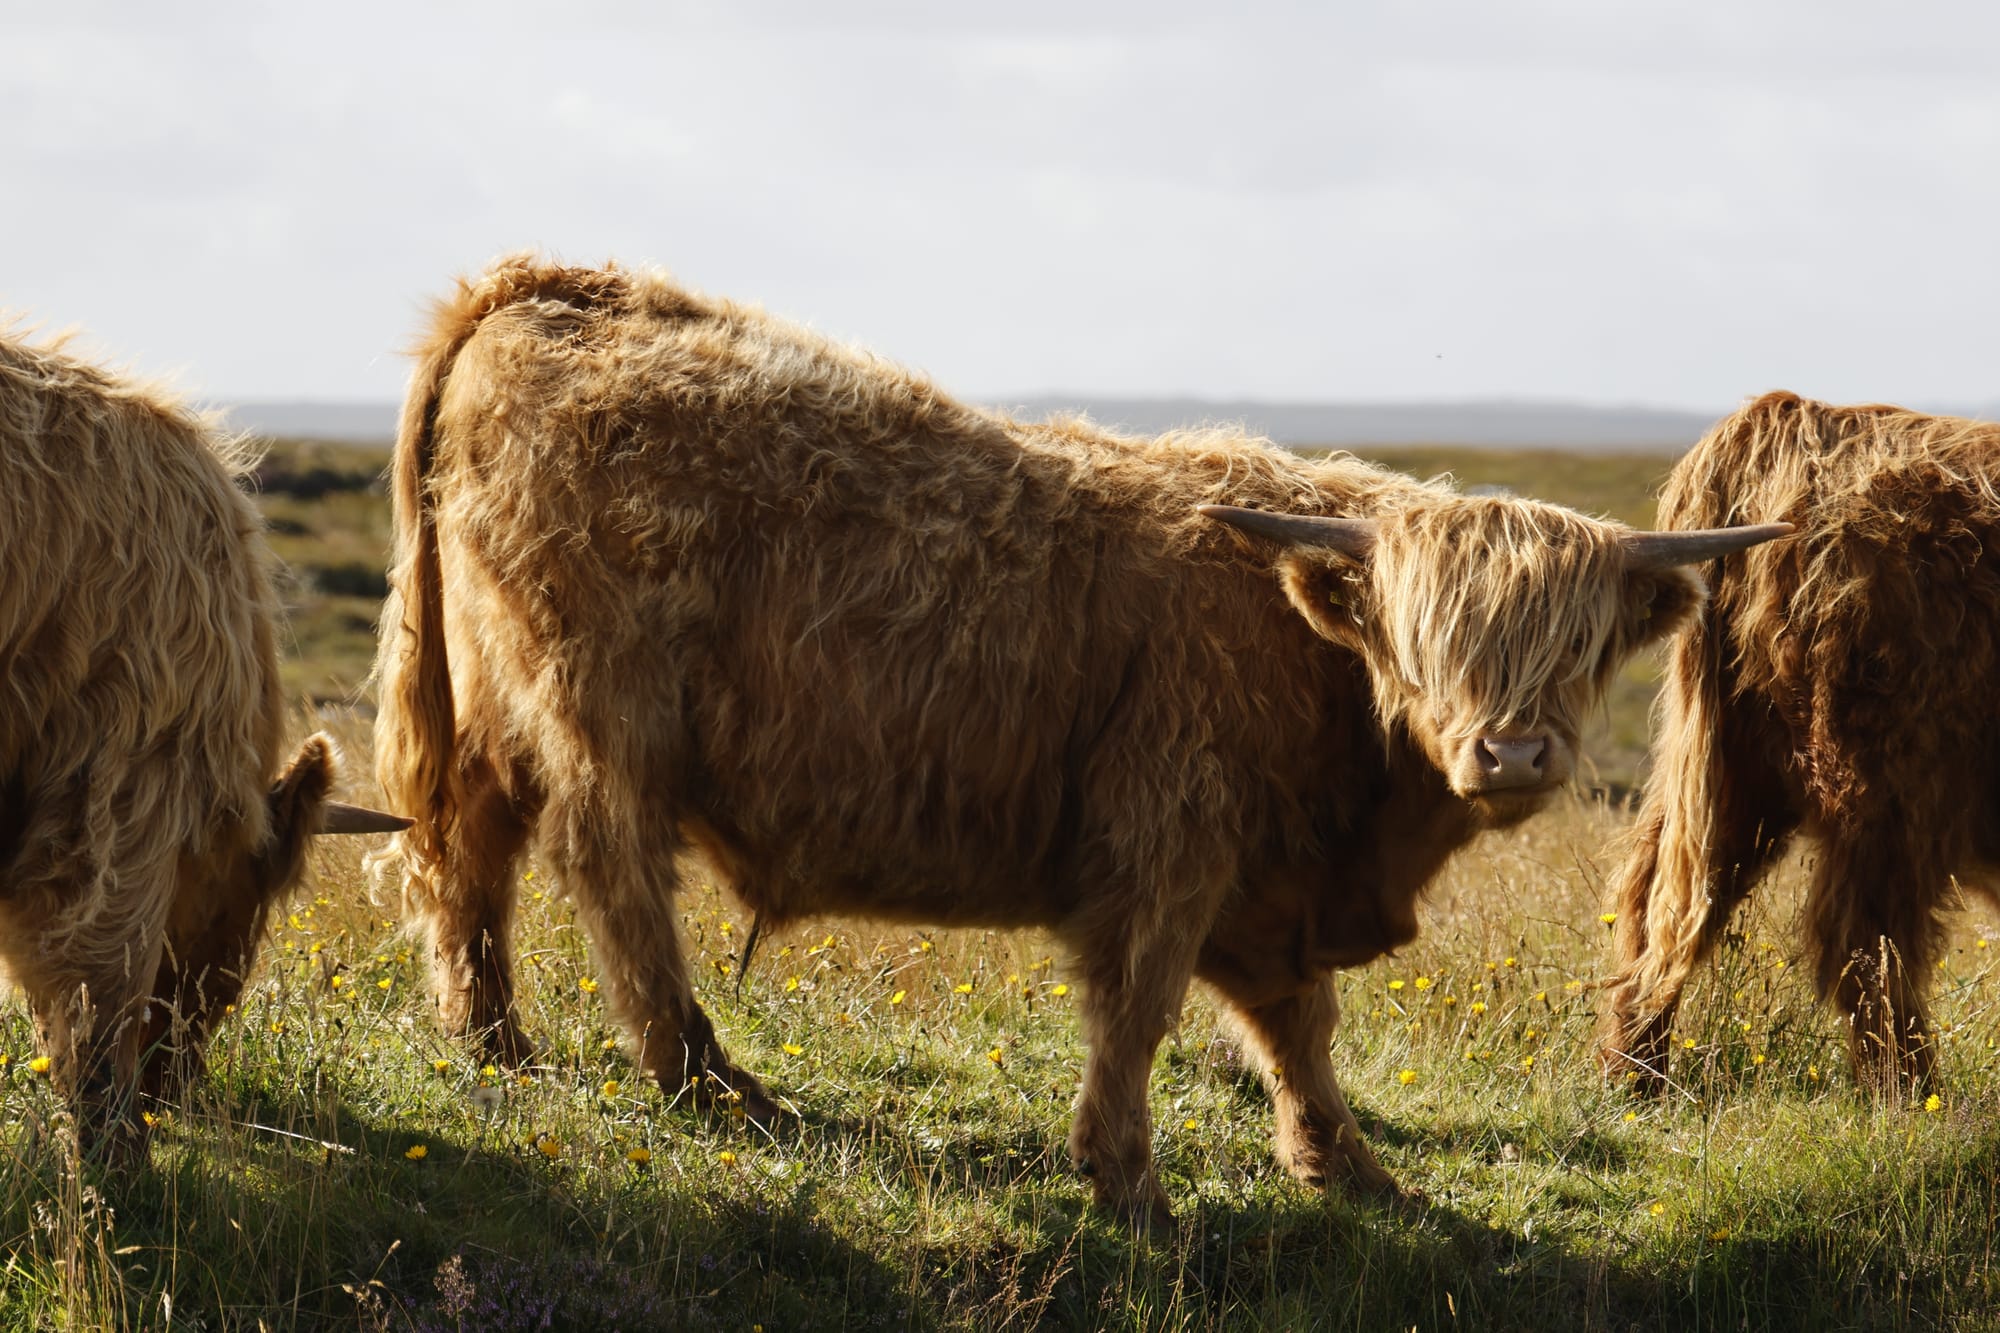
<point>1496,423</point>
<point>1499,423</point>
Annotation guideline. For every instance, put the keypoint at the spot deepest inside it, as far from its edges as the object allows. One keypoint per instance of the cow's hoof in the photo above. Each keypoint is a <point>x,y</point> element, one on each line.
<point>1366,1180</point>
<point>1144,1210</point>
<point>505,1045</point>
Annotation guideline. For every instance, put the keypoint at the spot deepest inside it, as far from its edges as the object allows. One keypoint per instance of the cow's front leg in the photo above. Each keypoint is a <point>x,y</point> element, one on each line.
<point>88,1022</point>
<point>1318,1139</point>
<point>1126,1011</point>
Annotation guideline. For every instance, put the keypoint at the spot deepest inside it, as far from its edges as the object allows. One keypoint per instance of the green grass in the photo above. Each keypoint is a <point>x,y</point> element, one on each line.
<point>925,1185</point>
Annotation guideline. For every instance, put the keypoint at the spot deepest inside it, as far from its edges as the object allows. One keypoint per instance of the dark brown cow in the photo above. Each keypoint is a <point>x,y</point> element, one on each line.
<point>1841,687</point>
<point>678,580</point>
<point>141,831</point>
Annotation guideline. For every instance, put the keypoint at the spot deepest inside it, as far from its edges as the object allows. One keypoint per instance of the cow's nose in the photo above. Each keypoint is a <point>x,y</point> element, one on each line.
<point>1511,762</point>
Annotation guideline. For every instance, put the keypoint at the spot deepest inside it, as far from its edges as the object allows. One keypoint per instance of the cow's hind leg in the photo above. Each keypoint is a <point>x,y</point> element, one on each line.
<point>468,912</point>
<point>1873,909</point>
<point>624,889</point>
<point>1318,1139</point>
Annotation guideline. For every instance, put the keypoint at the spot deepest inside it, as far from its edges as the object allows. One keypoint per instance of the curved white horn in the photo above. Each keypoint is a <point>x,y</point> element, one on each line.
<point>1654,550</point>
<point>340,817</point>
<point>1352,536</point>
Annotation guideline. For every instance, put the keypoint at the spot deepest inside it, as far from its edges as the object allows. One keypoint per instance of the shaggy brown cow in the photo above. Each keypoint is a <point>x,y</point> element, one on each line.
<point>141,832</point>
<point>1840,686</point>
<point>678,580</point>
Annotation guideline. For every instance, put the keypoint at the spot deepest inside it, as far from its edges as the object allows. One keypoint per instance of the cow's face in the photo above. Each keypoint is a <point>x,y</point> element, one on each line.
<point>220,901</point>
<point>1491,627</point>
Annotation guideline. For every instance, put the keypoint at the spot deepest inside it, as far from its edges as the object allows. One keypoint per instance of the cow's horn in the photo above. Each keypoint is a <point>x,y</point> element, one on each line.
<point>1352,536</point>
<point>340,817</point>
<point>1653,550</point>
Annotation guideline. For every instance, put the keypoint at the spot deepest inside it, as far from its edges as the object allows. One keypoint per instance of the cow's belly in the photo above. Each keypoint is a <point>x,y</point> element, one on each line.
<point>785,879</point>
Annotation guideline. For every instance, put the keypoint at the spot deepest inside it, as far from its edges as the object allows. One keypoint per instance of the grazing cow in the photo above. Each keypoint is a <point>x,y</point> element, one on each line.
<point>141,830</point>
<point>678,581</point>
<point>1841,686</point>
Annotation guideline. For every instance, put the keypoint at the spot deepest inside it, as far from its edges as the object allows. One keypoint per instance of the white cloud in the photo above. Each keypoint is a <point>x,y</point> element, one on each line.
<point>1674,204</point>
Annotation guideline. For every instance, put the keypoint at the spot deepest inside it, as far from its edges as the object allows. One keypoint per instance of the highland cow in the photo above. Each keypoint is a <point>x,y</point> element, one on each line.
<point>678,583</point>
<point>142,831</point>
<point>1839,689</point>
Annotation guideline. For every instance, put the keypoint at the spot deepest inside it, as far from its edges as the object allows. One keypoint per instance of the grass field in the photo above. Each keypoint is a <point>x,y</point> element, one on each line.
<point>343,1166</point>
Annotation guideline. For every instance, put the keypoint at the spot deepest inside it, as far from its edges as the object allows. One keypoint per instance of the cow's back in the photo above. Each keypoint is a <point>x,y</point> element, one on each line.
<point>1874,637</point>
<point>872,646</point>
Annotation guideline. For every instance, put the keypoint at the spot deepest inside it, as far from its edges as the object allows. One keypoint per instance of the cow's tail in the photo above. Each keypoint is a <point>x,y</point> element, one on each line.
<point>415,722</point>
<point>1664,892</point>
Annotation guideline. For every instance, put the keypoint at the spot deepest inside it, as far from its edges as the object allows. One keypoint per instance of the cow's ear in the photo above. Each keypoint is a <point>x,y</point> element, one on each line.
<point>1660,601</point>
<point>295,800</point>
<point>1328,589</point>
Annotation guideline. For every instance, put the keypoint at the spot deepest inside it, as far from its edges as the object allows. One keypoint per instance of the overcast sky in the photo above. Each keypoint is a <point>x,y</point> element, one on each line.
<point>1674,204</point>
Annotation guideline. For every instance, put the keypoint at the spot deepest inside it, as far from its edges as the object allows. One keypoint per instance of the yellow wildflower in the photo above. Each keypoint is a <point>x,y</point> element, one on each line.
<point>416,1152</point>
<point>441,1066</point>
<point>639,1156</point>
<point>549,1146</point>
<point>1060,989</point>
<point>1607,917</point>
<point>40,1064</point>
<point>1479,1006</point>
<point>610,1088</point>
<point>588,985</point>
<point>897,998</point>
<point>793,1048</point>
<point>1396,984</point>
<point>1931,1103</point>
<point>726,1157</point>
<point>1422,983</point>
<point>1406,1077</point>
<point>996,1053</point>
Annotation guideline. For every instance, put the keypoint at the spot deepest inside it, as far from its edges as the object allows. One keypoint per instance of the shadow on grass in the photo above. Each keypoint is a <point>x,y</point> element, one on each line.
<point>295,1230</point>
<point>495,1234</point>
